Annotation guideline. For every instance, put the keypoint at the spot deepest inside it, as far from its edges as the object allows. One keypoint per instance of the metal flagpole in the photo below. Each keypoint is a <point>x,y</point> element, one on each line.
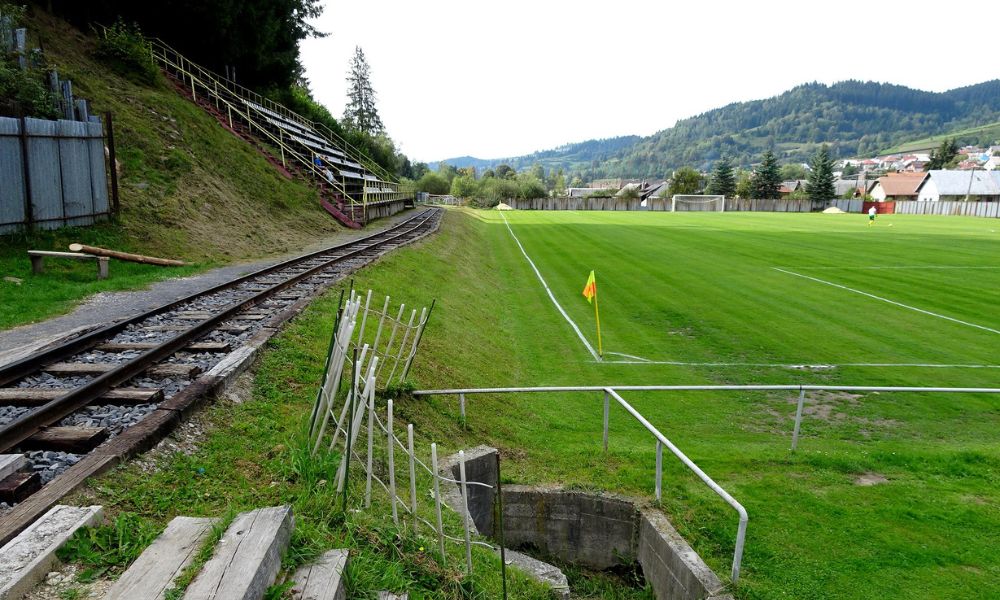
<point>597,316</point>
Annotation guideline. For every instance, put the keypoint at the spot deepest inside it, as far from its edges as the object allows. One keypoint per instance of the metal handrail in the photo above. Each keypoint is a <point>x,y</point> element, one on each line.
<point>213,92</point>
<point>281,110</point>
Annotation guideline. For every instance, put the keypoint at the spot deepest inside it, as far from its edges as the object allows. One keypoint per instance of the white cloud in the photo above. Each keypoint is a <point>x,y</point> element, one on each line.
<point>505,79</point>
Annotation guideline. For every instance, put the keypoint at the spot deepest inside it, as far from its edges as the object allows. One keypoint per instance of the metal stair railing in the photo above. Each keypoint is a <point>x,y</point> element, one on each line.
<point>242,93</point>
<point>182,67</point>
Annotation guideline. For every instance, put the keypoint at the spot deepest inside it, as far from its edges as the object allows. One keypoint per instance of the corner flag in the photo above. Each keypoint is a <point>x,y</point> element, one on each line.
<point>590,290</point>
<point>590,293</point>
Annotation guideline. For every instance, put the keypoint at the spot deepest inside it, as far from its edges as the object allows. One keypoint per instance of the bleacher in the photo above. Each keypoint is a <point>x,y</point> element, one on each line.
<point>353,188</point>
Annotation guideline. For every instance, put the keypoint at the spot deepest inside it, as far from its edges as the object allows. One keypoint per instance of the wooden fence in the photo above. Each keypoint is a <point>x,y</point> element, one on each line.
<point>54,173</point>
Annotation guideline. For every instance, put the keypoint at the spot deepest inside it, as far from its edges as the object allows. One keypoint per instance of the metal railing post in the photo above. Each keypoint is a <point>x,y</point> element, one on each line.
<point>437,500</point>
<point>607,409</point>
<point>392,465</point>
<point>465,512</point>
<point>371,447</point>
<point>798,419</point>
<point>461,408</point>
<point>659,470</point>
<point>413,476</point>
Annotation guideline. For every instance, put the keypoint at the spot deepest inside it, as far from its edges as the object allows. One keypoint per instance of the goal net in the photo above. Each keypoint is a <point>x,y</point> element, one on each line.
<point>697,202</point>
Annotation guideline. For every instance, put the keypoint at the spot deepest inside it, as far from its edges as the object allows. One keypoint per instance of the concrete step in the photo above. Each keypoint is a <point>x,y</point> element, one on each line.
<point>154,572</point>
<point>247,558</point>
<point>392,596</point>
<point>322,580</point>
<point>26,559</point>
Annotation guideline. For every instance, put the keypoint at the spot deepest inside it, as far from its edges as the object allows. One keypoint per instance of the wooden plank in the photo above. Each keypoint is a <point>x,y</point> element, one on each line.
<point>19,486</point>
<point>247,558</point>
<point>162,562</point>
<point>75,255</point>
<point>10,464</point>
<point>250,317</point>
<point>78,440</point>
<point>26,559</point>
<point>27,512</point>
<point>139,346</point>
<point>322,580</point>
<point>160,370</point>
<point>174,370</point>
<point>39,396</point>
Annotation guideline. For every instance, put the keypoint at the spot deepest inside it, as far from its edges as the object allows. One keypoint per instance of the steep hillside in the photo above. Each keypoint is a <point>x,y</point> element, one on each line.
<point>188,187</point>
<point>854,117</point>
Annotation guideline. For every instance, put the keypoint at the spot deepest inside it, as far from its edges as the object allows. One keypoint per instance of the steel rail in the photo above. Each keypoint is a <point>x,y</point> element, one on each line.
<point>18,369</point>
<point>30,423</point>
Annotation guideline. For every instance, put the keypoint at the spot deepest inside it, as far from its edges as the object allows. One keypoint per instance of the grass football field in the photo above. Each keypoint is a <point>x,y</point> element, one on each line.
<point>749,298</point>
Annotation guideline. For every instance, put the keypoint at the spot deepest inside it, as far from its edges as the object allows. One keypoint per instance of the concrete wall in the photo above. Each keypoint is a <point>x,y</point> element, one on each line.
<point>384,208</point>
<point>598,531</point>
<point>591,530</point>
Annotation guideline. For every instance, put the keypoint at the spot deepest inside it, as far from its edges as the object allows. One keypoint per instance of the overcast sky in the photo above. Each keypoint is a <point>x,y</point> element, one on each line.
<point>500,79</point>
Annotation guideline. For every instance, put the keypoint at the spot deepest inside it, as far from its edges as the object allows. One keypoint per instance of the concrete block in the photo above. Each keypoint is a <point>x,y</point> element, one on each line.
<point>26,559</point>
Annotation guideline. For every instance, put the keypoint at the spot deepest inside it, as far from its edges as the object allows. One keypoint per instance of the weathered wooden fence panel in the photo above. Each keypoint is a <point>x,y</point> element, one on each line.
<point>950,208</point>
<point>60,164</point>
<point>12,200</point>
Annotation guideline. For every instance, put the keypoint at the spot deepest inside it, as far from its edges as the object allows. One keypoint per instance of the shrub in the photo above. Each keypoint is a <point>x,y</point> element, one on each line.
<point>126,50</point>
<point>25,88</point>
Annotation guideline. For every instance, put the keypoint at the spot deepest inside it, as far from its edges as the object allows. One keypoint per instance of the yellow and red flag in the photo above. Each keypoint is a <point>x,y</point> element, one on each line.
<point>590,290</point>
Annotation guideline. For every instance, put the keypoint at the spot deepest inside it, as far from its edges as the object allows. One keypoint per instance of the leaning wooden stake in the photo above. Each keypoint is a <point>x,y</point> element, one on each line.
<point>139,258</point>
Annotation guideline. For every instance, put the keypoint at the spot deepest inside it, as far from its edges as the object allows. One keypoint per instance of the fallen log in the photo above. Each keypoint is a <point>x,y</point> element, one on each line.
<point>139,258</point>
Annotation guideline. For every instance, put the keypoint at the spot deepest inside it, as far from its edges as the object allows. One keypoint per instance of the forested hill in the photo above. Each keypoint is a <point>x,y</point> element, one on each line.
<point>854,117</point>
<point>570,157</point>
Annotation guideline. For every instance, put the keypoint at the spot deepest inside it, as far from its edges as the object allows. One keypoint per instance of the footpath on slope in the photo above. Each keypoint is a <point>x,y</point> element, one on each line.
<point>106,307</point>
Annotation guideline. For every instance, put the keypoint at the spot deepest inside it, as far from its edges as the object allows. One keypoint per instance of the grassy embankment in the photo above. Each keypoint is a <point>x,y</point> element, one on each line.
<point>688,288</point>
<point>984,134</point>
<point>189,190</point>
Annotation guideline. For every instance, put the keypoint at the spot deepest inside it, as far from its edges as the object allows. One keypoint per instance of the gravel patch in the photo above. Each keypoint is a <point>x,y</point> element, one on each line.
<point>48,463</point>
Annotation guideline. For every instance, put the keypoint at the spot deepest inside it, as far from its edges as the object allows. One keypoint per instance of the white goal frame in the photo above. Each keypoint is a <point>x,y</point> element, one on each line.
<point>698,199</point>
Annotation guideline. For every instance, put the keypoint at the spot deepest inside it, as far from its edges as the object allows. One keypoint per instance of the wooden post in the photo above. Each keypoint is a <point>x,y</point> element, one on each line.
<point>20,44</point>
<point>115,205</point>
<point>29,216</point>
<point>67,98</point>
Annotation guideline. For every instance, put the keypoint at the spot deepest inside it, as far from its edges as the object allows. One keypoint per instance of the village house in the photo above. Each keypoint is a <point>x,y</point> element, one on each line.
<point>897,186</point>
<point>983,186</point>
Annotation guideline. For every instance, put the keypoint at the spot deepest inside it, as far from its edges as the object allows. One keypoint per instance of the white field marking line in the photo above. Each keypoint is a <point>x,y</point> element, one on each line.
<point>804,366</point>
<point>579,333</point>
<point>912,267</point>
<point>886,300</point>
<point>634,358</point>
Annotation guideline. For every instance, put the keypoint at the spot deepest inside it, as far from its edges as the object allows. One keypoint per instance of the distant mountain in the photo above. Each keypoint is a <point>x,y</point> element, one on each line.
<point>984,135</point>
<point>570,157</point>
<point>854,117</point>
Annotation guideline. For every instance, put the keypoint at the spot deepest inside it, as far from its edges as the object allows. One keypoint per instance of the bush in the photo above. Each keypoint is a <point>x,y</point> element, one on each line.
<point>26,90</point>
<point>126,50</point>
<point>433,183</point>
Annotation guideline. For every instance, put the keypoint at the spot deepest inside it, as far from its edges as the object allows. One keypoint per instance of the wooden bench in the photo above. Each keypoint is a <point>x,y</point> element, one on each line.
<point>38,260</point>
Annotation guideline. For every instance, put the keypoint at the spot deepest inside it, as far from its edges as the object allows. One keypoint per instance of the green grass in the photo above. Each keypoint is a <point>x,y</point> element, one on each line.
<point>689,288</point>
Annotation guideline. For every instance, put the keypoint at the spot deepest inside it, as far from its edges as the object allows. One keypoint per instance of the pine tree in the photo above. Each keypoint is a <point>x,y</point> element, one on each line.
<point>360,112</point>
<point>766,179</point>
<point>820,186</point>
<point>723,179</point>
<point>942,156</point>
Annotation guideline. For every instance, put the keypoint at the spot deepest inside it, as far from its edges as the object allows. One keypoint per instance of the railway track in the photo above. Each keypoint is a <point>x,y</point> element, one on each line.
<point>62,404</point>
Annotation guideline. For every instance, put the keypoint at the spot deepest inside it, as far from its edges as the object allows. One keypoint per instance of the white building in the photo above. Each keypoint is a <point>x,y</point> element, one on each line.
<point>958,185</point>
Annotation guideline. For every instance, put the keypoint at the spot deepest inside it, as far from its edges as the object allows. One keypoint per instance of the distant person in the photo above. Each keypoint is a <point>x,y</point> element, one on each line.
<point>871,215</point>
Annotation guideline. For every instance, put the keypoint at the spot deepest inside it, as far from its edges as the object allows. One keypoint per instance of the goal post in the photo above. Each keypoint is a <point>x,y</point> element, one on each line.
<point>697,202</point>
